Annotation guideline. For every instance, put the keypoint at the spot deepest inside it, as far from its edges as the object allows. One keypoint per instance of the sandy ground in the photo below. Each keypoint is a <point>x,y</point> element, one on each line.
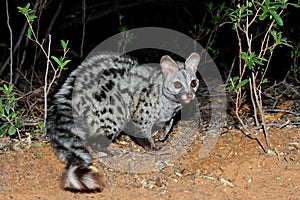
<point>236,168</point>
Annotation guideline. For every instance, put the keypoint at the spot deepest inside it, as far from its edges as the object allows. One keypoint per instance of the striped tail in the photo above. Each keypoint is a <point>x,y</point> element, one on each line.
<point>81,178</point>
<point>66,140</point>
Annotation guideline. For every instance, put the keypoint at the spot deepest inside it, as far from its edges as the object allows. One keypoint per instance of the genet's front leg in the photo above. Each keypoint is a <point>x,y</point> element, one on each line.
<point>151,140</point>
<point>168,126</point>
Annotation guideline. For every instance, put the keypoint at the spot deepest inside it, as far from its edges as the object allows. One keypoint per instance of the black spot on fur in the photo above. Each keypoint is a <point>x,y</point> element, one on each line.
<point>103,111</point>
<point>110,85</point>
<point>98,97</point>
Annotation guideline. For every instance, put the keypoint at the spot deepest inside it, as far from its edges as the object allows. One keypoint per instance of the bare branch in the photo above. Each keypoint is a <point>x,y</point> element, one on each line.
<point>83,27</point>
<point>11,44</point>
<point>46,81</point>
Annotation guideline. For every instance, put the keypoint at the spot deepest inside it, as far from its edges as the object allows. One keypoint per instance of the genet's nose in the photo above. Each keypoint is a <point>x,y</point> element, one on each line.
<point>189,95</point>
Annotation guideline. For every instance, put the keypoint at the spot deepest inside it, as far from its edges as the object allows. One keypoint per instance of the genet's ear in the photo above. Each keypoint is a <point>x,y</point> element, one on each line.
<point>192,62</point>
<point>168,65</point>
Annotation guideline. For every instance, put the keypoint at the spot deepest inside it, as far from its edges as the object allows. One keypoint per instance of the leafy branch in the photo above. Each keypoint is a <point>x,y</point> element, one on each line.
<point>243,17</point>
<point>12,123</point>
<point>61,61</point>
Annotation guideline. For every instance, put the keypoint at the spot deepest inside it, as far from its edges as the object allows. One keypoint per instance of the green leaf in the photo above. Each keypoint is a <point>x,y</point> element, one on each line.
<point>263,15</point>
<point>123,28</point>
<point>258,60</point>
<point>19,124</point>
<point>1,108</point>
<point>29,33</point>
<point>250,64</point>
<point>277,18</point>
<point>27,6</point>
<point>64,63</point>
<point>7,108</point>
<point>13,99</point>
<point>63,44</point>
<point>262,59</point>
<point>5,88</point>
<point>3,129</point>
<point>41,125</point>
<point>229,88</point>
<point>58,61</point>
<point>275,7</point>
<point>10,88</point>
<point>24,10</point>
<point>20,8</point>
<point>31,17</point>
<point>12,115</point>
<point>223,6</point>
<point>265,80</point>
<point>209,6</point>
<point>121,17</point>
<point>33,133</point>
<point>11,130</point>
<point>244,56</point>
<point>234,79</point>
<point>242,83</point>
<point>295,5</point>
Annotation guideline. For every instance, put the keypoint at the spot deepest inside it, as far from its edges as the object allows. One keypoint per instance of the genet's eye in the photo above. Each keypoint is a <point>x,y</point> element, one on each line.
<point>177,85</point>
<point>194,83</point>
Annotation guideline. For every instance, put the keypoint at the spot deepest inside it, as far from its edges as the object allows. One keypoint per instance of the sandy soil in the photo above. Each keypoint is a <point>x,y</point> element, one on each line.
<point>236,168</point>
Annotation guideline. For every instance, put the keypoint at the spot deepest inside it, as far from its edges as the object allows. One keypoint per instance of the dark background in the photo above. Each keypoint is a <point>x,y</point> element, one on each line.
<point>103,21</point>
